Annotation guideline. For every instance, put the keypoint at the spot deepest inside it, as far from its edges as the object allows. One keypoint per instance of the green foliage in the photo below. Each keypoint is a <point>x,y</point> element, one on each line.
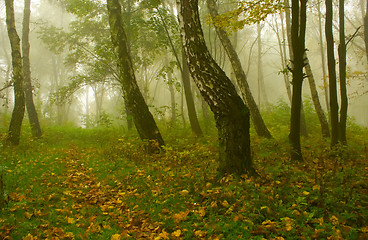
<point>247,13</point>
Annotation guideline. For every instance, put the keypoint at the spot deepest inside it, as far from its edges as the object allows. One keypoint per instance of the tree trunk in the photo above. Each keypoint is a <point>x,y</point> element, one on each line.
<point>261,84</point>
<point>192,114</point>
<point>334,108</point>
<point>231,114</point>
<point>31,109</point>
<point>143,119</point>
<point>303,124</point>
<point>366,31</point>
<point>298,26</point>
<point>317,105</point>
<point>342,74</point>
<point>241,78</point>
<point>19,101</point>
<point>323,58</point>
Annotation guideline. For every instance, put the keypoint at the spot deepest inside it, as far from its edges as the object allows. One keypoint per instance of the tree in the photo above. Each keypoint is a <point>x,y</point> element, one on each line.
<point>241,78</point>
<point>231,114</point>
<point>298,26</point>
<point>18,111</point>
<point>331,63</point>
<point>31,109</point>
<point>342,74</point>
<point>143,119</point>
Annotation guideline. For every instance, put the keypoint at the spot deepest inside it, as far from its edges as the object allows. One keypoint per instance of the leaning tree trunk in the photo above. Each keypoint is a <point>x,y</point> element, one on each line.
<point>334,108</point>
<point>31,109</point>
<point>241,78</point>
<point>142,117</point>
<point>317,105</point>
<point>18,111</point>
<point>231,114</point>
<point>298,25</point>
<point>342,74</point>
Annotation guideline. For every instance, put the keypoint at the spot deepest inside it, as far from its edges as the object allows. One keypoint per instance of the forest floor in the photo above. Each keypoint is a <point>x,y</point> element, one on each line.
<point>100,184</point>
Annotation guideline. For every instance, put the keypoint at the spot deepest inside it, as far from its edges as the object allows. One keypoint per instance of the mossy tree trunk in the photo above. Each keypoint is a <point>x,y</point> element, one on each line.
<point>241,78</point>
<point>19,107</point>
<point>142,117</point>
<point>231,114</point>
<point>31,109</point>
<point>298,25</point>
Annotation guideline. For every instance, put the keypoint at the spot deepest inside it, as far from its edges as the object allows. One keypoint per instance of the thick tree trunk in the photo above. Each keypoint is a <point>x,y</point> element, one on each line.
<point>334,108</point>
<point>19,101</point>
<point>342,74</point>
<point>317,105</point>
<point>241,78</point>
<point>231,114</point>
<point>143,119</point>
<point>192,114</point>
<point>31,109</point>
<point>298,26</point>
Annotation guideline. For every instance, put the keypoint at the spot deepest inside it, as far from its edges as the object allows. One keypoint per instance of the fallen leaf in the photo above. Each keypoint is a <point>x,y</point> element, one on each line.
<point>115,237</point>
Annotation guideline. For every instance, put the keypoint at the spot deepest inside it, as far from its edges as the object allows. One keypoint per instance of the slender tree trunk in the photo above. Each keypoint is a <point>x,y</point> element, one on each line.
<point>241,78</point>
<point>231,114</point>
<point>31,109</point>
<point>323,58</point>
<point>143,119</point>
<point>19,101</point>
<point>192,114</point>
<point>261,84</point>
<point>366,30</point>
<point>298,26</point>
<point>334,108</point>
<point>342,73</point>
<point>317,105</point>
<point>303,124</point>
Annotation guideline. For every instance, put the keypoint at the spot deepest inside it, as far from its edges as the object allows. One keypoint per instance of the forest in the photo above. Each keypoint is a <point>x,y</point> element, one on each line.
<point>183,119</point>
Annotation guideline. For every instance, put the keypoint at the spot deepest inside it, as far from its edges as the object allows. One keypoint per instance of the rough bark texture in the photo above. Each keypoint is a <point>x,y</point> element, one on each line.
<point>317,105</point>
<point>31,109</point>
<point>143,119</point>
<point>298,25</point>
<point>192,114</point>
<point>342,74</point>
<point>231,114</point>
<point>18,111</point>
<point>334,108</point>
<point>241,78</point>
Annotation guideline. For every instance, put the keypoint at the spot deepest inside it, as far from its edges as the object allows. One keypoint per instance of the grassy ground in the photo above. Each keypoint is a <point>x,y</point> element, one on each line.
<point>100,184</point>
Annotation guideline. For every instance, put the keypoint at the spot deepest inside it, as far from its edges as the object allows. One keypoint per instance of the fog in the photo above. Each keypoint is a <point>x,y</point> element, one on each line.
<point>68,47</point>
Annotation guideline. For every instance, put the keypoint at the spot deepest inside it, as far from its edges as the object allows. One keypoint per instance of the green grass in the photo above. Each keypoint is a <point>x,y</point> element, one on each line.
<point>100,184</point>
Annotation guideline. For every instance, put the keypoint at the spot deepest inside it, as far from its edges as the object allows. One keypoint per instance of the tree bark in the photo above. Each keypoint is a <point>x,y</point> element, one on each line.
<point>142,117</point>
<point>19,101</point>
<point>334,108</point>
<point>303,124</point>
<point>323,58</point>
<point>192,114</point>
<point>241,78</point>
<point>298,26</point>
<point>342,74</point>
<point>31,109</point>
<point>317,105</point>
<point>231,114</point>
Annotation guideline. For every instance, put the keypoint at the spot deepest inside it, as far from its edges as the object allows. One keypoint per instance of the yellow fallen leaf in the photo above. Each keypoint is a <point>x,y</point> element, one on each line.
<point>29,237</point>
<point>164,235</point>
<point>305,193</point>
<point>334,220</point>
<point>316,187</point>
<point>28,215</point>
<point>225,203</point>
<point>115,237</point>
<point>70,220</point>
<point>184,192</point>
<point>176,233</point>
